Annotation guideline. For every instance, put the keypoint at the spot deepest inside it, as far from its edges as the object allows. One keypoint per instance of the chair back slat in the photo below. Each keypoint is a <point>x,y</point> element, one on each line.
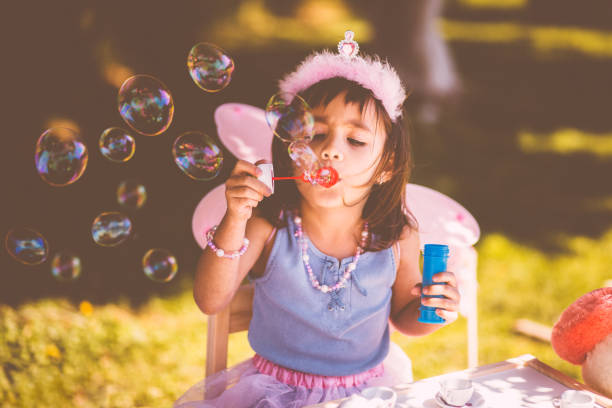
<point>234,318</point>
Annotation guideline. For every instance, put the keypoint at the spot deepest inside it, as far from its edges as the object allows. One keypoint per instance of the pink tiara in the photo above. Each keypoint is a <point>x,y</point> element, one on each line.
<point>370,72</point>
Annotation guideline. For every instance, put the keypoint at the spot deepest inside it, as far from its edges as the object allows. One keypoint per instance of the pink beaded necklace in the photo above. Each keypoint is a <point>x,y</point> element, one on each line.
<point>349,268</point>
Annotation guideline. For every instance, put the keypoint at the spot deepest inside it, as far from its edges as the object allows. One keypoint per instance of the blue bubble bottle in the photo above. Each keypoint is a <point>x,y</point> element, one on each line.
<point>434,261</point>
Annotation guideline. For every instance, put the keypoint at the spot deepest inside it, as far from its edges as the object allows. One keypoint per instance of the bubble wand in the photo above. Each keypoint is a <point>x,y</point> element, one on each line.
<point>326,176</point>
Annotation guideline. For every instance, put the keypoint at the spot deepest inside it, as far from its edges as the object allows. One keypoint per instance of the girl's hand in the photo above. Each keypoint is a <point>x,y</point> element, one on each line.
<point>243,191</point>
<point>448,306</point>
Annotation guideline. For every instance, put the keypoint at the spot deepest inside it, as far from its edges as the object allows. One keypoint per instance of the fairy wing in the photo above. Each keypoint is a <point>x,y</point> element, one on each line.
<point>209,212</point>
<point>441,219</point>
<point>243,130</point>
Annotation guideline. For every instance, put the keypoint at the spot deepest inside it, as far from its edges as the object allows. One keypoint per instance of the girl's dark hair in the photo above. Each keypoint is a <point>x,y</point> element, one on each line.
<point>385,208</point>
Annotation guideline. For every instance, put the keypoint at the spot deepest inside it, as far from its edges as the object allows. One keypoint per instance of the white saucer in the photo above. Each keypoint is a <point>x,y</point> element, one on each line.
<point>476,401</point>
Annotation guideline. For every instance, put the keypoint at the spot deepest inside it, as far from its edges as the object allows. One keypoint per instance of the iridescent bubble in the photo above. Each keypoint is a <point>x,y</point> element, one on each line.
<point>303,156</point>
<point>65,266</point>
<point>210,67</point>
<point>117,145</point>
<point>145,104</point>
<point>159,265</point>
<point>61,156</point>
<point>197,155</point>
<point>111,229</point>
<point>131,194</point>
<point>290,120</point>
<point>26,246</point>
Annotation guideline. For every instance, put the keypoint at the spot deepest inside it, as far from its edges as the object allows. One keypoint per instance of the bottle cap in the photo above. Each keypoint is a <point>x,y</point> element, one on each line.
<point>267,174</point>
<point>436,250</point>
<point>428,315</point>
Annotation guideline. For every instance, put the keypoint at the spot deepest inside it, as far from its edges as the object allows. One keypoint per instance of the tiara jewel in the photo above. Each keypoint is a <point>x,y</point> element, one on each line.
<point>348,47</point>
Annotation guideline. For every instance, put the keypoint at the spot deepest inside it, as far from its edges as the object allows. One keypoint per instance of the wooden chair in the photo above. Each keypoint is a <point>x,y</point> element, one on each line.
<point>234,318</point>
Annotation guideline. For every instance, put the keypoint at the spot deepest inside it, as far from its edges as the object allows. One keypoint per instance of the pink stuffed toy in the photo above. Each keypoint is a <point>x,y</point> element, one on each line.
<point>583,336</point>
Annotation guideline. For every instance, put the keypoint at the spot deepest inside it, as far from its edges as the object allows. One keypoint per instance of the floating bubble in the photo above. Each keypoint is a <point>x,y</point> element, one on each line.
<point>117,145</point>
<point>197,155</point>
<point>303,156</point>
<point>61,156</point>
<point>210,67</point>
<point>65,266</point>
<point>26,246</point>
<point>290,120</point>
<point>159,265</point>
<point>145,104</point>
<point>111,229</point>
<point>131,194</point>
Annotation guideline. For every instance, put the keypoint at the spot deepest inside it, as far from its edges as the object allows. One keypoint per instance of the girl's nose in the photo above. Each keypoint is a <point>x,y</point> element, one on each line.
<point>331,152</point>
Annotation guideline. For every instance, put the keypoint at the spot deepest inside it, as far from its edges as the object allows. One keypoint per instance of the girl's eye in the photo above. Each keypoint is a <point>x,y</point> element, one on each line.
<point>318,136</point>
<point>355,142</point>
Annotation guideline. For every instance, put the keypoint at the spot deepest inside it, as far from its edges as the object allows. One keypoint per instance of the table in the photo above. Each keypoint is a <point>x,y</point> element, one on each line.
<point>523,381</point>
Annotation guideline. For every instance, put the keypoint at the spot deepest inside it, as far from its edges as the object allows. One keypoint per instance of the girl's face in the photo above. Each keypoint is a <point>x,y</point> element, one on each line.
<point>350,141</point>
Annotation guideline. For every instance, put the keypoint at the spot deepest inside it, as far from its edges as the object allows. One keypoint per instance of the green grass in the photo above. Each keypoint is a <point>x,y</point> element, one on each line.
<point>53,354</point>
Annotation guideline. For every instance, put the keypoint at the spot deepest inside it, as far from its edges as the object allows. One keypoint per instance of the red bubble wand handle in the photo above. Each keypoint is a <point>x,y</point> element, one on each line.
<point>325,176</point>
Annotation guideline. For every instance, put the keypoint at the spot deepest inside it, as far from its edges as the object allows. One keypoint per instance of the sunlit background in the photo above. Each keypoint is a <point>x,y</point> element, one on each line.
<point>509,113</point>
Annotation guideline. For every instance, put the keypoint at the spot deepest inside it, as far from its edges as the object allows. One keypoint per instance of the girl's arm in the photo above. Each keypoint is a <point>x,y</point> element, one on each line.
<point>218,278</point>
<point>406,297</point>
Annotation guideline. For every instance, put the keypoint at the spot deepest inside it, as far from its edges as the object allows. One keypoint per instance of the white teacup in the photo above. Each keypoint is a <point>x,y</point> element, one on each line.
<point>383,396</point>
<point>576,399</point>
<point>456,391</point>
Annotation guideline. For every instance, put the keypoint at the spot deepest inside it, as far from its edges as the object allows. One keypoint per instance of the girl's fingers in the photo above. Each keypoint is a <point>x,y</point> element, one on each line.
<point>243,192</point>
<point>262,161</point>
<point>248,181</point>
<point>239,204</point>
<point>443,303</point>
<point>449,316</point>
<point>248,202</point>
<point>445,277</point>
<point>444,290</point>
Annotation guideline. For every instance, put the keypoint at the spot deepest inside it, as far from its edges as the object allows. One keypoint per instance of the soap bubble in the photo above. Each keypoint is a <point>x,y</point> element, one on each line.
<point>65,266</point>
<point>303,156</point>
<point>26,246</point>
<point>210,67</point>
<point>145,104</point>
<point>61,156</point>
<point>159,265</point>
<point>290,120</point>
<point>111,229</point>
<point>131,194</point>
<point>197,155</point>
<point>117,145</point>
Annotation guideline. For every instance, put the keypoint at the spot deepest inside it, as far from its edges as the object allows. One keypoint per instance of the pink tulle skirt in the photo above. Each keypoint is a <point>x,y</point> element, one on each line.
<point>258,383</point>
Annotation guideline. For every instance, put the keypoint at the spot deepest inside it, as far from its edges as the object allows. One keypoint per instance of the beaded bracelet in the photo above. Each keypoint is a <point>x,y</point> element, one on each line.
<point>210,234</point>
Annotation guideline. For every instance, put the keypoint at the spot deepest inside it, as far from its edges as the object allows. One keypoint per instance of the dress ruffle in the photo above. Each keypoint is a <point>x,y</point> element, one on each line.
<point>300,379</point>
<point>246,386</point>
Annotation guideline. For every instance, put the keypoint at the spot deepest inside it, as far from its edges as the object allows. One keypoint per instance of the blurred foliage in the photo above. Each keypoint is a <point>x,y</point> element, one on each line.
<point>58,354</point>
<point>594,43</point>
<point>567,141</point>
<point>496,4</point>
<point>55,354</point>
<point>313,23</point>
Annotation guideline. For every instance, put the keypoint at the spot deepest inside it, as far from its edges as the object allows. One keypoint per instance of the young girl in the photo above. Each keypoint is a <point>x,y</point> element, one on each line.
<point>331,266</point>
